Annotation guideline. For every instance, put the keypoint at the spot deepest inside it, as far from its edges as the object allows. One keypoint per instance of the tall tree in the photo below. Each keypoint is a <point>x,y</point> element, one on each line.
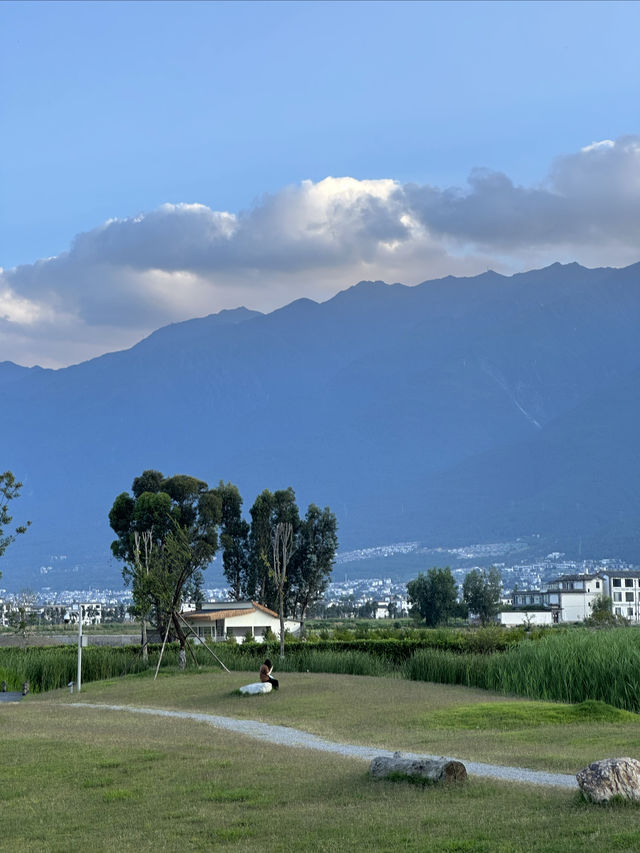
<point>177,518</point>
<point>282,547</point>
<point>250,562</point>
<point>433,596</point>
<point>315,555</point>
<point>268,510</point>
<point>481,590</point>
<point>234,539</point>
<point>9,491</point>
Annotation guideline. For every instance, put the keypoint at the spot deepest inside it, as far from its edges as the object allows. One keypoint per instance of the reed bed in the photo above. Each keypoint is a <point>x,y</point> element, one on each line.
<point>52,667</point>
<point>569,666</point>
<point>574,667</point>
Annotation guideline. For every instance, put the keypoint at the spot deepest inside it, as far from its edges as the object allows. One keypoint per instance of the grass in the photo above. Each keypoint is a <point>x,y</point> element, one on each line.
<point>104,780</point>
<point>512,716</point>
<point>466,723</point>
<point>114,782</point>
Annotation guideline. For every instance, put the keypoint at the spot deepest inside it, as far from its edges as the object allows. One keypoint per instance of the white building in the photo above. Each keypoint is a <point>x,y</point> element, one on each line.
<point>222,620</point>
<point>514,618</point>
<point>572,596</point>
<point>569,598</point>
<point>382,610</point>
<point>623,588</point>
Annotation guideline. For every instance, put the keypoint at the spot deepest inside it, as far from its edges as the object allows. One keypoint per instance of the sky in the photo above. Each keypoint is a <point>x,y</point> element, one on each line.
<point>162,161</point>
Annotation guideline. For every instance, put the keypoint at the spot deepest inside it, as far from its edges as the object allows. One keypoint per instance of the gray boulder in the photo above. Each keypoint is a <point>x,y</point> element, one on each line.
<point>612,777</point>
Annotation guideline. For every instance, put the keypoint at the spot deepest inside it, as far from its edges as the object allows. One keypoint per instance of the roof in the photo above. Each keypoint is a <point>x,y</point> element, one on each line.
<point>621,573</point>
<point>589,577</point>
<point>233,608</point>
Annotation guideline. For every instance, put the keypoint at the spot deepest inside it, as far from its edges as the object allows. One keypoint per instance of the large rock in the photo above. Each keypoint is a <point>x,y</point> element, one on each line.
<point>257,687</point>
<point>612,777</point>
<point>428,769</point>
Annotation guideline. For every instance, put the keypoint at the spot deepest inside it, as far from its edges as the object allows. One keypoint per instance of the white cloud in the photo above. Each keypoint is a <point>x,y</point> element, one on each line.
<point>22,312</point>
<point>129,276</point>
<point>604,143</point>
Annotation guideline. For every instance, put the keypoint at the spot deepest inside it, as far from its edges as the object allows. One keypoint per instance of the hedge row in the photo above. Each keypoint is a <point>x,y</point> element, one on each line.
<point>481,641</point>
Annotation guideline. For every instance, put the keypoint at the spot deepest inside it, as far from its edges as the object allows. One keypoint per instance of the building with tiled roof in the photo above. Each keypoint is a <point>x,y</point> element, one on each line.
<point>223,620</point>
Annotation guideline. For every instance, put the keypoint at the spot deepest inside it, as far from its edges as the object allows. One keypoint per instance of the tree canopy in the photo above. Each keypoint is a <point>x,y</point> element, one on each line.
<point>168,529</point>
<point>249,559</point>
<point>481,590</point>
<point>434,596</point>
<point>167,534</point>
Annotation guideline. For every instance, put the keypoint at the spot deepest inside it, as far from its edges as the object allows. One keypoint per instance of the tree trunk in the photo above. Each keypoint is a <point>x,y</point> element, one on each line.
<point>143,640</point>
<point>430,770</point>
<point>182,654</point>
<point>281,632</point>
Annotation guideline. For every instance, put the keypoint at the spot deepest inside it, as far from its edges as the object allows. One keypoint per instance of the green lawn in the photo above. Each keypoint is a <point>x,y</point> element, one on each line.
<point>396,714</point>
<point>103,780</point>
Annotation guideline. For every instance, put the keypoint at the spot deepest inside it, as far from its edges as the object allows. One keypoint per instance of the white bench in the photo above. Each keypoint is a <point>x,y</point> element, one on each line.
<point>257,687</point>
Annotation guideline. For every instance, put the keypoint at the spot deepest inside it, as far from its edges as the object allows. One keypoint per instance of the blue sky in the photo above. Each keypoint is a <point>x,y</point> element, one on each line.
<point>166,160</point>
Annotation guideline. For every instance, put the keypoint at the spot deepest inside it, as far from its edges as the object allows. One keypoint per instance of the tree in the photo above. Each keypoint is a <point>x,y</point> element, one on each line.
<point>249,558</point>
<point>315,555</point>
<point>9,490</point>
<point>282,545</point>
<point>433,596</point>
<point>602,615</point>
<point>269,510</point>
<point>23,616</point>
<point>481,592</point>
<point>234,539</point>
<point>368,609</point>
<point>167,534</point>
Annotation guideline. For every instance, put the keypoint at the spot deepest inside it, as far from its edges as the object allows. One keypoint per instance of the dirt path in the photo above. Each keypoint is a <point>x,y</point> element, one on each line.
<point>285,736</point>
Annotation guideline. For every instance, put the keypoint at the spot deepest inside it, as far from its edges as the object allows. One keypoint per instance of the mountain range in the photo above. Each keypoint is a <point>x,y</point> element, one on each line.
<point>459,410</point>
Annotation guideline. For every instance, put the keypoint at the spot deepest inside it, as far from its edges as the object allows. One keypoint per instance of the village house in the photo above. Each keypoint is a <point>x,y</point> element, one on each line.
<point>570,598</point>
<point>623,588</point>
<point>223,620</point>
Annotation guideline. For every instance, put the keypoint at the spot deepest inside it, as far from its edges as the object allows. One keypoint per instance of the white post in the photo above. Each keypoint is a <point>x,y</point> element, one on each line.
<point>79,680</point>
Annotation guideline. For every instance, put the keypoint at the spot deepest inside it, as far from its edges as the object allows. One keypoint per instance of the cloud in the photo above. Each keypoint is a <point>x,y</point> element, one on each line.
<point>128,276</point>
<point>592,195</point>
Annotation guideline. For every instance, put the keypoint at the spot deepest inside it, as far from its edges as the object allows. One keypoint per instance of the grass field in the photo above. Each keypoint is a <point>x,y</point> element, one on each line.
<point>102,780</point>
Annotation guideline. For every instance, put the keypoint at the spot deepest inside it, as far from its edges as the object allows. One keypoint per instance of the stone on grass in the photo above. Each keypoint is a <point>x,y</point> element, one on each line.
<point>612,777</point>
<point>426,769</point>
<point>256,687</point>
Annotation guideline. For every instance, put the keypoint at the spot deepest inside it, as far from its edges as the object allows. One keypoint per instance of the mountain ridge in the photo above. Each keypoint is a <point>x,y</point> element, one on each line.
<point>384,396</point>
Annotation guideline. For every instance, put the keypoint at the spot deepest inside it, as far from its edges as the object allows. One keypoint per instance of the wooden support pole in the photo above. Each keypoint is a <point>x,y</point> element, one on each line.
<point>189,628</point>
<point>162,650</point>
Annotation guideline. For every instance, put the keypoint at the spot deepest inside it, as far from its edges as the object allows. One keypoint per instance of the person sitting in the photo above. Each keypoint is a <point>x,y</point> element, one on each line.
<point>265,674</point>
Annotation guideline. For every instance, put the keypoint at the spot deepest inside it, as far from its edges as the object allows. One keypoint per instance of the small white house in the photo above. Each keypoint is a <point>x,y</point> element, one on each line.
<point>222,620</point>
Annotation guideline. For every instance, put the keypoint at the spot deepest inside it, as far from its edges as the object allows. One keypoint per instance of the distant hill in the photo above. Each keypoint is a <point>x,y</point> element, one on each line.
<point>460,410</point>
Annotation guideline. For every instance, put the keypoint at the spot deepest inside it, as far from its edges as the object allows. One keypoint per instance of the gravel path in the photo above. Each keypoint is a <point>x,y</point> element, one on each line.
<point>285,736</point>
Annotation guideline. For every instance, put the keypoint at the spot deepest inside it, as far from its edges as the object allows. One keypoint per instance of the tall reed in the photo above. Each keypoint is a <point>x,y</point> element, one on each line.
<point>573,667</point>
<point>568,666</point>
<point>52,667</point>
